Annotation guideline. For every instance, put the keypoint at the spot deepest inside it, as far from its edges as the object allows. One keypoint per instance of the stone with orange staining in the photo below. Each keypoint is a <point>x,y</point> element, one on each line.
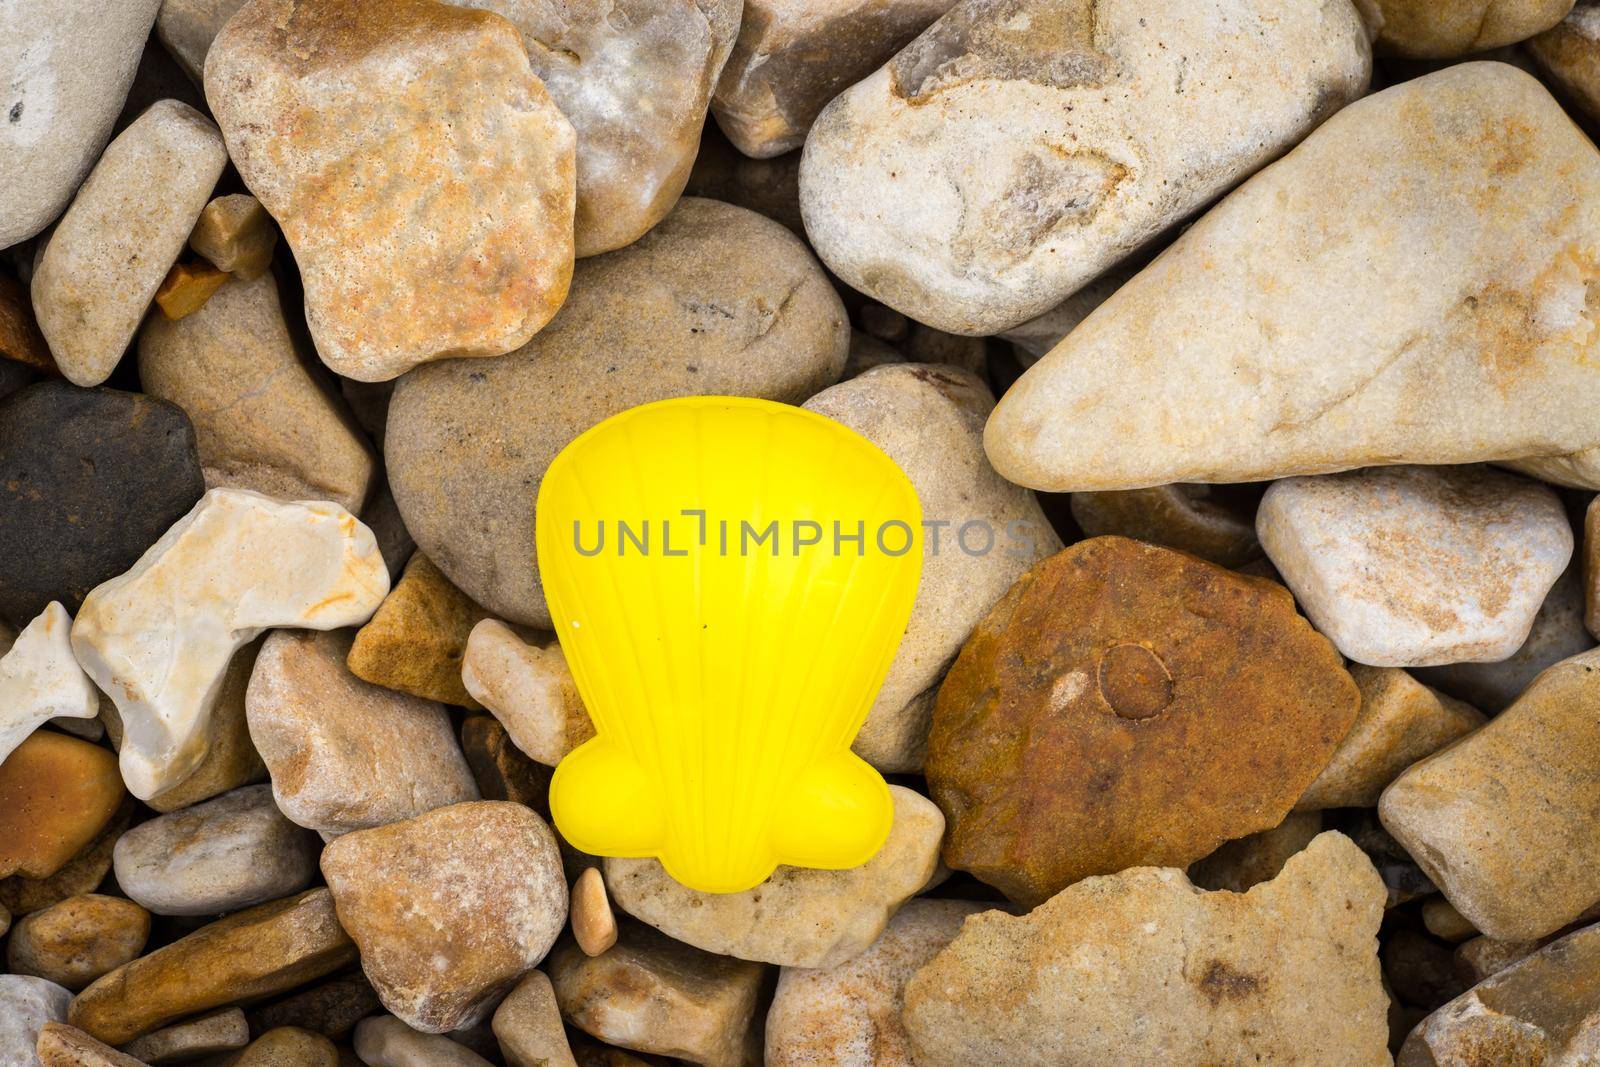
<point>78,940</point>
<point>1444,29</point>
<point>1140,967</point>
<point>421,174</point>
<point>417,638</point>
<point>159,638</point>
<point>1127,704</point>
<point>83,873</point>
<point>594,925</point>
<point>1417,282</point>
<point>20,339</point>
<point>1415,566</point>
<point>1569,53</point>
<point>235,233</point>
<point>187,288</point>
<point>56,794</point>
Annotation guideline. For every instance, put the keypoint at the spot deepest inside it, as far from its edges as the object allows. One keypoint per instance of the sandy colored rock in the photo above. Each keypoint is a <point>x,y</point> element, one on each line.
<point>56,794</point>
<point>1443,29</point>
<point>109,253</point>
<point>929,419</point>
<point>446,926</point>
<point>792,58</point>
<point>800,917</point>
<point>1019,148</point>
<point>225,854</point>
<point>1445,922</point>
<point>849,1015</point>
<point>344,754</point>
<point>235,232</point>
<point>232,759</point>
<point>251,954</point>
<point>594,925</point>
<point>384,1041</point>
<point>66,1046</point>
<point>1248,861</point>
<point>456,239</point>
<point>186,289</point>
<point>159,638</point>
<point>1413,566</point>
<point>1543,1010</point>
<point>83,873</point>
<point>27,1004</point>
<point>78,940</point>
<point>1591,567</point>
<point>528,1025</point>
<point>1139,967</point>
<point>262,420</point>
<point>528,687</point>
<point>1195,518</point>
<point>286,1046</point>
<point>1569,55</point>
<point>714,300</point>
<point>40,679</point>
<point>635,78</point>
<point>20,339</point>
<point>1400,722</point>
<point>1301,306</point>
<point>652,994</point>
<point>1126,704</point>
<point>1500,820</point>
<point>204,1035</point>
<point>68,69</point>
<point>187,28</point>
<point>417,637</point>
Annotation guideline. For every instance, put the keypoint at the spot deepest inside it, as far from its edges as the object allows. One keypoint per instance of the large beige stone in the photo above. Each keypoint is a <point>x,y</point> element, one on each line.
<point>981,533</point>
<point>108,255</point>
<point>421,174</point>
<point>1019,148</point>
<point>1504,822</point>
<point>1442,29</point>
<point>714,300</point>
<point>634,77</point>
<point>1569,54</point>
<point>40,679</point>
<point>848,1015</point>
<point>158,638</point>
<point>1140,967</point>
<point>800,917</point>
<point>345,754</point>
<point>261,420</point>
<point>793,56</point>
<point>528,687</point>
<point>1411,284</point>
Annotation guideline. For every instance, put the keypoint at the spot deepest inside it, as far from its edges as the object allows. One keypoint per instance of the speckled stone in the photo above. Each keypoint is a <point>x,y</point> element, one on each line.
<point>1444,29</point>
<point>67,1046</point>
<point>78,940</point>
<point>416,639</point>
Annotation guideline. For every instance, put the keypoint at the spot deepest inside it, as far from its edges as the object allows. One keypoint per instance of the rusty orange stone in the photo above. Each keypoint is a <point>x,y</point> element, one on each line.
<point>1128,705</point>
<point>20,339</point>
<point>187,288</point>
<point>56,794</point>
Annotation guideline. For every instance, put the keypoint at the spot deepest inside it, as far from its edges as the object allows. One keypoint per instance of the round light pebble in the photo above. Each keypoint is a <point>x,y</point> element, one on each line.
<point>26,1004</point>
<point>384,1041</point>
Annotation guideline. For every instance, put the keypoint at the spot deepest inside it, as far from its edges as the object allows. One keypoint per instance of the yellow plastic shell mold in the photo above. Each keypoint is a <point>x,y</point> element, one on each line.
<point>730,579</point>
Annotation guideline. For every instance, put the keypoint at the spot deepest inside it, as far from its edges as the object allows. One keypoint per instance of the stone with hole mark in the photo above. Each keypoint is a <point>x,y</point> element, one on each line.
<point>1134,682</point>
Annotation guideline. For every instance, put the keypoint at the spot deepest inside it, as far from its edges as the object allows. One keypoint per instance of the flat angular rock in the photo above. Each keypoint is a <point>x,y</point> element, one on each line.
<point>417,637</point>
<point>1569,54</point>
<point>799,917</point>
<point>1542,1010</point>
<point>1126,704</point>
<point>929,419</point>
<point>187,288</point>
<point>714,300</point>
<point>228,853</point>
<point>528,688</point>
<point>634,77</point>
<point>158,638</point>
<point>528,1025</point>
<point>1443,29</point>
<point>1019,148</point>
<point>78,940</point>
<point>68,69</point>
<point>251,954</point>
<point>40,680</point>
<point>261,420</point>
<point>1499,820</point>
<point>346,755</point>
<point>66,1046</point>
<point>1400,722</point>
<point>107,256</point>
<point>420,173</point>
<point>235,233</point>
<point>384,1041</point>
<point>1194,518</point>
<point>89,478</point>
<point>653,994</point>
<point>447,924</point>
<point>56,794</point>
<point>792,58</point>
<point>1414,566</point>
<point>849,1015</point>
<point>27,1005</point>
<point>1301,306</point>
<point>205,1035</point>
<point>1140,967</point>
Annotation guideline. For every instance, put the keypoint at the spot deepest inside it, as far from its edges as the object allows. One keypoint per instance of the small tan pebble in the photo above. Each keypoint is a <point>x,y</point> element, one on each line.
<point>235,233</point>
<point>20,339</point>
<point>1195,518</point>
<point>78,940</point>
<point>384,1041</point>
<point>83,873</point>
<point>56,794</point>
<point>528,1025</point>
<point>1445,922</point>
<point>187,287</point>
<point>593,923</point>
<point>528,687</point>
<point>1444,29</point>
<point>416,639</point>
<point>1247,861</point>
<point>187,28</point>
<point>286,1046</point>
<point>61,1045</point>
<point>219,1031</point>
